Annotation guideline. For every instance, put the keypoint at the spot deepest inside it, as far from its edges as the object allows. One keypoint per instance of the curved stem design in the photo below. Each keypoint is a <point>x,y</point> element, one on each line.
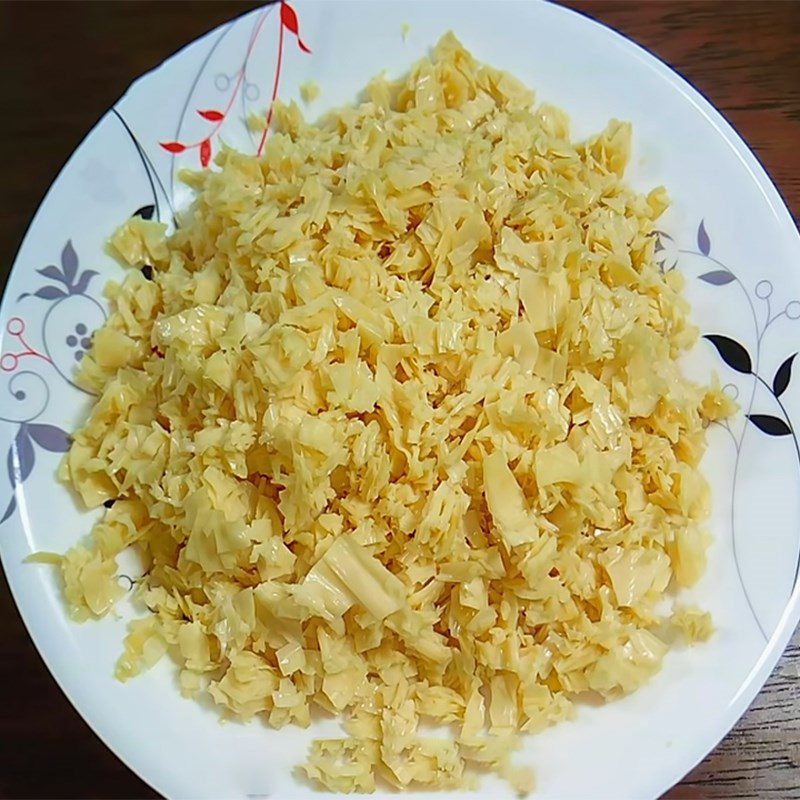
<point>788,421</point>
<point>275,86</point>
<point>15,393</point>
<point>47,350</point>
<point>740,445</point>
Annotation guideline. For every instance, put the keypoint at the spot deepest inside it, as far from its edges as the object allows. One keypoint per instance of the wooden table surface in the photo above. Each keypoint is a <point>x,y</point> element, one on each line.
<point>64,64</point>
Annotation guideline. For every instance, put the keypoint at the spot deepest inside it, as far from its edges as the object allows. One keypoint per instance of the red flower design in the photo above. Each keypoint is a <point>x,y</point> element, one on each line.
<point>10,361</point>
<point>205,152</point>
<point>211,115</point>
<point>173,147</point>
<point>288,21</point>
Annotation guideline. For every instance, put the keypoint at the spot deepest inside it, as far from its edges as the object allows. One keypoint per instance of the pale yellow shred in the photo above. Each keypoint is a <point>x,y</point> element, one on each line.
<point>90,583</point>
<point>692,623</point>
<point>45,557</point>
<point>521,779</point>
<point>309,91</point>
<point>399,430</point>
<point>144,646</point>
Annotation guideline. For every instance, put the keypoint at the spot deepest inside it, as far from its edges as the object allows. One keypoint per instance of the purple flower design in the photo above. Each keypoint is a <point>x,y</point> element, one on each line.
<point>71,280</point>
<point>22,454</point>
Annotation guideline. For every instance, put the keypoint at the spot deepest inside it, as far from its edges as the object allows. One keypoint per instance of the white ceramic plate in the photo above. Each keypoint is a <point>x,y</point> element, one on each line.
<point>728,231</point>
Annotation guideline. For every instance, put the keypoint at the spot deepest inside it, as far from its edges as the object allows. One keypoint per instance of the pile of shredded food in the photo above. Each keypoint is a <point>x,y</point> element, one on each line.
<point>395,419</point>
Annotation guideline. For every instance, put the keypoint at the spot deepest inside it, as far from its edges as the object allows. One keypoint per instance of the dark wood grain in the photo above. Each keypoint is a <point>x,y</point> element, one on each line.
<point>62,65</point>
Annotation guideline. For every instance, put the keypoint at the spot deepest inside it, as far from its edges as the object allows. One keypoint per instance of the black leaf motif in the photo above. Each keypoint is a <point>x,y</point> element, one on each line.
<point>49,437</point>
<point>12,506</point>
<point>53,273</point>
<point>21,457</point>
<point>718,277</point>
<point>782,377</point>
<point>660,237</point>
<point>131,581</point>
<point>732,353</point>
<point>82,283</point>
<point>774,426</point>
<point>703,242</point>
<point>667,266</point>
<point>49,293</point>
<point>69,261</point>
<point>145,212</point>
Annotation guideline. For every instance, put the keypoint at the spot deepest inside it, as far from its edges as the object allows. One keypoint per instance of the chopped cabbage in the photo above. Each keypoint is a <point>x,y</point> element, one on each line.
<point>399,430</point>
<point>693,624</point>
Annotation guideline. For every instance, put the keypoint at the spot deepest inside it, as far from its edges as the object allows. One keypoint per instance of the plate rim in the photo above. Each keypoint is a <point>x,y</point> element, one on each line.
<point>663,775</point>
